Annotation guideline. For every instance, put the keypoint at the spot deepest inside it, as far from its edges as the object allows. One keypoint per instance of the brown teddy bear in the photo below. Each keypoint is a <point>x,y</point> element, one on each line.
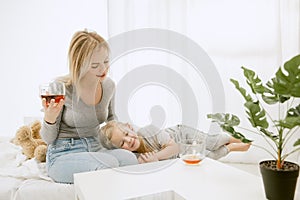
<point>28,137</point>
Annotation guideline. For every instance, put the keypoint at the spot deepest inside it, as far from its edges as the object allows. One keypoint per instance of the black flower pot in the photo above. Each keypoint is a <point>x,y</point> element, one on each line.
<point>279,184</point>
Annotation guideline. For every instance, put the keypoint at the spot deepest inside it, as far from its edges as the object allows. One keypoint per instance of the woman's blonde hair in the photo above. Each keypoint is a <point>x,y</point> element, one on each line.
<point>81,48</point>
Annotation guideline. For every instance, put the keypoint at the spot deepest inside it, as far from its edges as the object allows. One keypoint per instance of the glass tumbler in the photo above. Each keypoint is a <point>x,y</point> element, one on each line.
<point>52,90</point>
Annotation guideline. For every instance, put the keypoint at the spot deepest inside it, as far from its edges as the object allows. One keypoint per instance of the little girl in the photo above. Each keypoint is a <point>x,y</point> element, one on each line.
<point>153,144</point>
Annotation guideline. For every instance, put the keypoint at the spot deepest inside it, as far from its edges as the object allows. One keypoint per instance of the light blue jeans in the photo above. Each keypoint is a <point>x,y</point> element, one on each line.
<point>68,156</point>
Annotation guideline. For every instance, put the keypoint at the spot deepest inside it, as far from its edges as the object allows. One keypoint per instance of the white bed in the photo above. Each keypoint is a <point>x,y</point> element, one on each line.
<point>22,179</point>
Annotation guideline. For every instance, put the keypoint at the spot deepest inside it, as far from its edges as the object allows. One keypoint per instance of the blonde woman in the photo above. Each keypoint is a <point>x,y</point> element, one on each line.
<point>152,144</point>
<point>71,126</point>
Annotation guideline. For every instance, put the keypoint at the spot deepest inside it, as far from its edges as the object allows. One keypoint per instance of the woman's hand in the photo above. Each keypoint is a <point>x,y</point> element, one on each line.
<point>147,157</point>
<point>52,110</point>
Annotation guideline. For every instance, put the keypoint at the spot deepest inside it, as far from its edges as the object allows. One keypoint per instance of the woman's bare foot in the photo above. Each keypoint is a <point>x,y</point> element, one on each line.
<point>238,146</point>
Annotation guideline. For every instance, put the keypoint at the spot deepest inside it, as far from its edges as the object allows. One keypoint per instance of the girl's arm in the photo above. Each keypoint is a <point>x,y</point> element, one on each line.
<point>170,149</point>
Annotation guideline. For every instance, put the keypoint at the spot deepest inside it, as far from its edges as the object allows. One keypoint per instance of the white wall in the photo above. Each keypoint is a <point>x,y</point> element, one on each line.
<point>35,35</point>
<point>34,40</point>
<point>257,34</point>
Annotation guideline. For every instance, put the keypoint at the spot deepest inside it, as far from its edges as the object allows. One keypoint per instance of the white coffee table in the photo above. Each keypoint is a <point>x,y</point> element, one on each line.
<point>209,180</point>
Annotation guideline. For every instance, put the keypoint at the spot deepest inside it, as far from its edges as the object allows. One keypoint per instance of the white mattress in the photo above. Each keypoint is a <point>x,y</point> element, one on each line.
<point>22,179</point>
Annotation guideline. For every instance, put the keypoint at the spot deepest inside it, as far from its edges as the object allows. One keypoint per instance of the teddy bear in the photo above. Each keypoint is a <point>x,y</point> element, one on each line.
<point>29,138</point>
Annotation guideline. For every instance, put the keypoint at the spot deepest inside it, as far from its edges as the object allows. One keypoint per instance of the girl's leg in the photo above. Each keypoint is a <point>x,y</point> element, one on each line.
<point>238,146</point>
<point>234,140</point>
<point>225,149</point>
<point>215,141</point>
<point>218,153</point>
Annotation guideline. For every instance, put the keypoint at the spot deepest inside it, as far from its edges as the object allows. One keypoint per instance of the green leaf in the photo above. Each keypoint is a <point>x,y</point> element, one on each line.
<point>246,96</point>
<point>270,97</point>
<point>290,122</point>
<point>256,115</point>
<point>294,112</point>
<point>224,119</point>
<point>226,122</point>
<point>245,140</point>
<point>288,83</point>
<point>253,81</point>
<point>292,118</point>
<point>235,134</point>
<point>297,142</point>
<point>269,134</point>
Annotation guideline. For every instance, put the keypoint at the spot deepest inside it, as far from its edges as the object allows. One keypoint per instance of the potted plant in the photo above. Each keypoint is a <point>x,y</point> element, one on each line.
<point>282,92</point>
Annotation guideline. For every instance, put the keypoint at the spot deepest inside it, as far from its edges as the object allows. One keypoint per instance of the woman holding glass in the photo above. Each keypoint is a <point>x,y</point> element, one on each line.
<point>70,126</point>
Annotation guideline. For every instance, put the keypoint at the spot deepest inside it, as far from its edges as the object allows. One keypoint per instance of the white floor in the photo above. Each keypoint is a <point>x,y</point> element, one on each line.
<point>250,168</point>
<point>254,169</point>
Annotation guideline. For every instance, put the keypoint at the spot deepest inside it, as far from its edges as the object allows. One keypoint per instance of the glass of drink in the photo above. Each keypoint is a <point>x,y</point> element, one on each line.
<point>52,90</point>
<point>192,151</point>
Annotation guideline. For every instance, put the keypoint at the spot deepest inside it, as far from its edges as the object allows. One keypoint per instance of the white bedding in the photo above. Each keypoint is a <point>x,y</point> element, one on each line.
<point>22,179</point>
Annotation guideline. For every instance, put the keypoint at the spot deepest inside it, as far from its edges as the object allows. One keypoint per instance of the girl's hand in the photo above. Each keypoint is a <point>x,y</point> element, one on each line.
<point>148,157</point>
<point>52,111</point>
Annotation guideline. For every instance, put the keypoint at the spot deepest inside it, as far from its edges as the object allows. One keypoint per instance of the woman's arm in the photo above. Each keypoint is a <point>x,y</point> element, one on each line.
<point>51,122</point>
<point>110,87</point>
<point>111,110</point>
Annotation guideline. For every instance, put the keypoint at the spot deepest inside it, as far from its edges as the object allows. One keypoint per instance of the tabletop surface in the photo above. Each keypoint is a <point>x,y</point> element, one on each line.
<point>208,180</point>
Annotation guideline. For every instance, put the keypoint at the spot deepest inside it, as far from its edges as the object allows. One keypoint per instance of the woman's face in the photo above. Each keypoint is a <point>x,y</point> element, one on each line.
<point>99,64</point>
<point>125,139</point>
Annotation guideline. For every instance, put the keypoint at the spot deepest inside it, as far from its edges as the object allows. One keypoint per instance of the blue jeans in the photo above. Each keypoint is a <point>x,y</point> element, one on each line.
<point>68,156</point>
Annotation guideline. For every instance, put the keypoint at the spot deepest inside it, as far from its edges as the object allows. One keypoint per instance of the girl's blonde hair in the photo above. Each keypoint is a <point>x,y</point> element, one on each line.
<point>106,134</point>
<point>81,48</point>
<point>107,131</point>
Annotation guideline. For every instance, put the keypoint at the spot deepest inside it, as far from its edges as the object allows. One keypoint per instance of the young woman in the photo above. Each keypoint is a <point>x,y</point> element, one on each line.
<point>153,144</point>
<point>70,127</point>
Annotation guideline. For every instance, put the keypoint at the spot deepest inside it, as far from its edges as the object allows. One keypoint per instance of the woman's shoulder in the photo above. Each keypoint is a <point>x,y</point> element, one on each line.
<point>108,83</point>
<point>66,81</point>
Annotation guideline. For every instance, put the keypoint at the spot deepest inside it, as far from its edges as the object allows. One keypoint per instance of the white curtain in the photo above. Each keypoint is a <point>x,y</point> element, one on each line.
<point>289,28</point>
<point>172,59</point>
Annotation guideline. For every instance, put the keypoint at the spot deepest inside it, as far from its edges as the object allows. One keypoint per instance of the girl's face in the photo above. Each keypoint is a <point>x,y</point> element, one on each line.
<point>125,139</point>
<point>99,64</point>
